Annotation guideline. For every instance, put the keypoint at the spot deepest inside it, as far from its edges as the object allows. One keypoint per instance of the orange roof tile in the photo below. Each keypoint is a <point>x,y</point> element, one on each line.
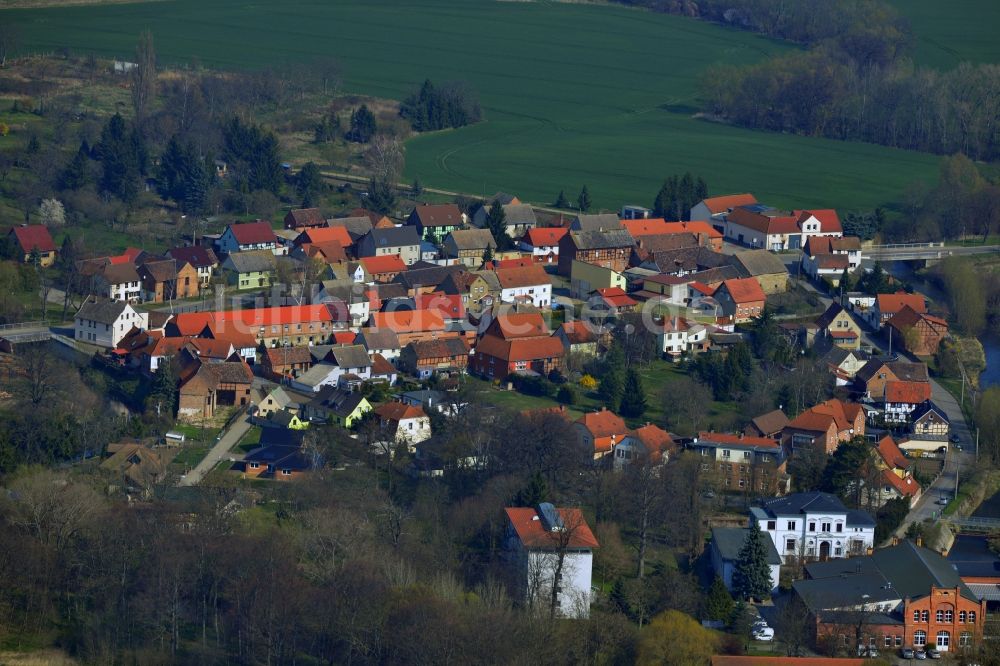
<point>528,276</point>
<point>531,530</point>
<point>729,201</point>
<point>545,236</point>
<point>520,262</point>
<point>386,263</point>
<point>906,486</point>
<point>397,411</point>
<point>616,297</point>
<point>510,325</point>
<point>450,305</point>
<point>220,321</point>
<point>34,236</point>
<point>744,290</point>
<point>409,321</point>
<point>828,219</point>
<point>891,453</point>
<point>520,349</point>
<point>910,393</point>
<point>603,423</point>
<point>730,439</point>
<point>325,234</point>
<point>893,303</point>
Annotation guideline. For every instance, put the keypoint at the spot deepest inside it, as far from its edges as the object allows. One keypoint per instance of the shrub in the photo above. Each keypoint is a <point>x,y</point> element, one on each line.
<point>566,395</point>
<point>588,382</point>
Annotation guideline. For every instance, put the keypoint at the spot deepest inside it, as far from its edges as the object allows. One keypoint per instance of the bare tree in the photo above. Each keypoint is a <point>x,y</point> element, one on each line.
<point>385,157</point>
<point>643,495</point>
<point>10,39</point>
<point>551,563</point>
<point>42,373</point>
<point>144,75</point>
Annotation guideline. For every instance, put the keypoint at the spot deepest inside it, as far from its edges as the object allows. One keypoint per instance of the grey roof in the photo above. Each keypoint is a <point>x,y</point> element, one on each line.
<point>426,277</point>
<point>356,226</point>
<point>828,315</point>
<point>903,570</point>
<point>350,356</point>
<point>471,239</point>
<point>395,237</point>
<point>712,275</point>
<point>421,397</point>
<point>346,290</point>
<point>760,262</point>
<point>909,372</point>
<point>801,503</point>
<point>255,261</point>
<point>378,338</point>
<point>337,400</point>
<point>970,554</point>
<point>858,518</point>
<point>770,422</point>
<point>103,311</point>
<point>925,408</point>
<point>595,240</point>
<point>837,355</point>
<point>729,540</point>
<point>854,588</point>
<point>598,222</point>
<point>690,259</point>
<point>119,273</point>
<point>490,278</point>
<point>519,214</point>
<point>314,375</point>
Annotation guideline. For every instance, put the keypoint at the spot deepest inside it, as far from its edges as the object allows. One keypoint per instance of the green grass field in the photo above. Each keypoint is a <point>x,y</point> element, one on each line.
<point>947,33</point>
<point>573,94</point>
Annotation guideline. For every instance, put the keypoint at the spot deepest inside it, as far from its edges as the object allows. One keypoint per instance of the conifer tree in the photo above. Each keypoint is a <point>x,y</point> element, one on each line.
<point>583,201</point>
<point>719,605</point>
<point>633,397</point>
<point>752,575</point>
<point>496,222</point>
<point>561,200</point>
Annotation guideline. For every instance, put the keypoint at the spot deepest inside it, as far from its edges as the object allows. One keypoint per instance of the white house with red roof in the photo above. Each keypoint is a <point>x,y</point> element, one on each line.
<point>404,423</point>
<point>248,236</point>
<point>525,285</point>
<point>760,226</point>
<point>714,209</point>
<point>548,548</point>
<point>543,243</point>
<point>678,336</point>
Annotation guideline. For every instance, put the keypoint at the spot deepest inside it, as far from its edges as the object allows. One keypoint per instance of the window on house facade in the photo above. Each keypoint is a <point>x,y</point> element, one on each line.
<point>943,639</point>
<point>925,616</point>
<point>939,616</point>
<point>812,526</point>
<point>790,545</point>
<point>916,616</point>
<point>840,527</point>
<point>972,617</point>
<point>961,617</point>
<point>919,638</point>
<point>791,524</point>
<point>826,527</point>
<point>771,525</point>
<point>949,616</point>
<point>965,639</point>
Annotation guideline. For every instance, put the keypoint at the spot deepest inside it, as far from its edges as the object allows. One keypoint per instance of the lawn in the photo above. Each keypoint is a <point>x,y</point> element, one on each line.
<point>573,93</point>
<point>947,33</point>
<point>721,415</point>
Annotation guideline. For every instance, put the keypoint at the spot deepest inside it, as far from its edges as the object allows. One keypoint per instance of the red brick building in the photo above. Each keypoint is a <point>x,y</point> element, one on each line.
<point>917,332</point>
<point>496,358</point>
<point>901,596</point>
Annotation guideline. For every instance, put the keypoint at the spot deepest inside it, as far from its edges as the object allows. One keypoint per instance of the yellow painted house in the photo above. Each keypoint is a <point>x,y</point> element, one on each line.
<point>586,278</point>
<point>250,270</point>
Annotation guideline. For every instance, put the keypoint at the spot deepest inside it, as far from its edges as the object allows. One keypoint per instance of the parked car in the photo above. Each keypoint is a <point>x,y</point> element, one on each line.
<point>933,654</point>
<point>954,438</point>
<point>906,653</point>
<point>763,634</point>
<point>867,651</point>
<point>919,654</point>
<point>943,501</point>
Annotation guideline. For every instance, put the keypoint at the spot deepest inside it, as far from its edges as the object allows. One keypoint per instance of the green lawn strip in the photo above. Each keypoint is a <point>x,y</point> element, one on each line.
<point>618,117</point>
<point>249,441</point>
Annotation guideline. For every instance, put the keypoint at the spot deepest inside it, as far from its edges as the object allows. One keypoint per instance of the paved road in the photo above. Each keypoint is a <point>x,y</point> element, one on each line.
<point>908,254</point>
<point>925,508</point>
<point>218,453</point>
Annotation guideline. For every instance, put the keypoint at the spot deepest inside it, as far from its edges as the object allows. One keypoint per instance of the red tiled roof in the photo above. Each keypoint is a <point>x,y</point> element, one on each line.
<point>195,322</point>
<point>439,215</point>
<point>531,529</point>
<point>409,321</point>
<point>906,486</point>
<point>397,411</point>
<point>544,236</point>
<point>251,233</point>
<point>380,366</point>
<point>211,348</point>
<point>578,332</point>
<point>910,393</point>
<point>324,234</point>
<point>529,276</point>
<point>520,349</point>
<point>196,255</point>
<point>697,227</point>
<point>344,338</point>
<point>724,203</point>
<point>386,263</point>
<point>655,439</point>
<point>891,453</point>
<point>843,335</point>
<point>730,439</point>
<point>779,224</point>
<point>510,325</point>
<point>616,297</point>
<point>34,236</point>
<point>893,303</point>
<point>828,220</point>
<point>833,261</point>
<point>332,252</point>
<point>520,262</point>
<point>649,226</point>
<point>908,317</point>
<point>603,423</point>
<point>719,660</point>
<point>278,356</point>
<point>744,290</point>
<point>819,417</point>
<point>449,305</point>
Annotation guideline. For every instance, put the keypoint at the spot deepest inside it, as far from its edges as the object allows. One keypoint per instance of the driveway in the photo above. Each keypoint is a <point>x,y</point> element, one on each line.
<point>229,439</point>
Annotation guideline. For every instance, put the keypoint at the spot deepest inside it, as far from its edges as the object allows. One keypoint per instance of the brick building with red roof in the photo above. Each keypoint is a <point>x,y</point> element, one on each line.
<point>825,425</point>
<point>601,431</point>
<point>887,305</point>
<point>742,299</point>
<point>497,358</point>
<point>383,268</point>
<point>917,332</point>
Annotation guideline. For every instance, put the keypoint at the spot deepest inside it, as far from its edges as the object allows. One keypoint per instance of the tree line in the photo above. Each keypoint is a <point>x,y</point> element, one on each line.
<point>824,93</point>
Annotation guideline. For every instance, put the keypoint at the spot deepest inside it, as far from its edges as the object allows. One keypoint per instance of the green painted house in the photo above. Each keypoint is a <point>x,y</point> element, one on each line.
<point>336,406</point>
<point>250,270</point>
